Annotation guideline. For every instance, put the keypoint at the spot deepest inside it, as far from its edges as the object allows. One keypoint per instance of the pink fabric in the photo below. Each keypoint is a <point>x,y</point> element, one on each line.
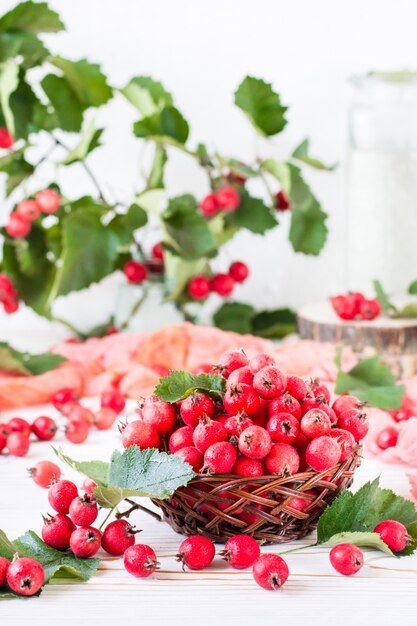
<point>413,483</point>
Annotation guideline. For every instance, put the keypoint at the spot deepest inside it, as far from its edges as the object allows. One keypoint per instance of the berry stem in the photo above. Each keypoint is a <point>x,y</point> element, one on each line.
<point>135,308</point>
<point>135,506</point>
<point>70,326</point>
<point>107,517</point>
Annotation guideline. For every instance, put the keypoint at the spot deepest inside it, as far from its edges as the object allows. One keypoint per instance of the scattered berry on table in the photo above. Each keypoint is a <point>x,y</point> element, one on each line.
<point>394,534</point>
<point>61,494</point>
<point>44,428</point>
<point>140,560</point>
<point>270,571</point>
<point>241,551</point>
<point>387,438</point>
<point>44,473</point>
<point>85,542</point>
<point>25,576</point>
<point>118,536</point>
<point>346,558</point>
<point>196,552</point>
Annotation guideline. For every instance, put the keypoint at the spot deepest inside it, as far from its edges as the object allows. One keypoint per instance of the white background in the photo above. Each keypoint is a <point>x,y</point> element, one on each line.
<point>201,51</point>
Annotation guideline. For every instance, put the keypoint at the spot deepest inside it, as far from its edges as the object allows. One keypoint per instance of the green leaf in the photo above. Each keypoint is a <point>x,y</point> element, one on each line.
<point>150,200</point>
<point>30,115</point>
<point>12,360</point>
<point>17,170</point>
<point>274,324</point>
<point>9,80</point>
<point>89,252</point>
<point>148,473</point>
<point>235,316</point>
<point>187,228</point>
<point>301,153</point>
<point>253,215</point>
<point>124,226</point>
<point>156,175</point>
<point>371,540</point>
<point>86,80</point>
<point>31,17</point>
<point>236,167</point>
<point>179,270</point>
<point>383,298</point>
<point>362,511</point>
<point>67,107</point>
<point>413,288</point>
<point>179,385</point>
<point>280,171</point>
<point>408,311</point>
<point>168,122</point>
<point>308,231</point>
<point>373,382</point>
<point>89,140</point>
<point>262,105</point>
<point>147,95</point>
<point>96,470</point>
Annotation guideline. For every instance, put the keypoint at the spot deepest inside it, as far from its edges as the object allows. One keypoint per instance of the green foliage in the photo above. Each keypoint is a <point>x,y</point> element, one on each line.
<point>188,232</point>
<point>147,95</point>
<point>12,360</point>
<point>302,153</point>
<point>254,215</point>
<point>361,512</point>
<point>262,105</point>
<point>55,563</point>
<point>373,382</point>
<point>244,319</point>
<point>180,384</point>
<point>167,123</point>
<point>31,17</point>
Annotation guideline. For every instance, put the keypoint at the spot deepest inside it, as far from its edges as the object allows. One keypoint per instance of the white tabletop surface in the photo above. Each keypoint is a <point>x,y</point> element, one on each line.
<point>382,593</point>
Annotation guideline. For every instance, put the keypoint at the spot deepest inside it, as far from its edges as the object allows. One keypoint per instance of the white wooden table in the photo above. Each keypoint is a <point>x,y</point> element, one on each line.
<point>383,593</point>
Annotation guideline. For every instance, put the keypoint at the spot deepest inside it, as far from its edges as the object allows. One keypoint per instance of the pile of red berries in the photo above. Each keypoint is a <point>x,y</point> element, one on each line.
<point>199,287</point>
<point>355,306</point>
<point>225,199</point>
<point>15,435</point>
<point>137,272</point>
<point>9,296</point>
<point>267,423</point>
<point>20,221</point>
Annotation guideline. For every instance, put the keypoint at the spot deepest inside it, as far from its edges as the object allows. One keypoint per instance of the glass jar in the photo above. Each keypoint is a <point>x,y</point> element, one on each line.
<point>382,182</point>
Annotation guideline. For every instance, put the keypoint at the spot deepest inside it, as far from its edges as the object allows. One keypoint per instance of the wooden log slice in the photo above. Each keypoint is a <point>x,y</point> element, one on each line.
<point>394,340</point>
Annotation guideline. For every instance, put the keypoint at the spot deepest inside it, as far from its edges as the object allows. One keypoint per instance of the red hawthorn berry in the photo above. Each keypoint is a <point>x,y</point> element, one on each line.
<point>283,203</point>
<point>17,226</point>
<point>10,305</point>
<point>343,307</point>
<point>370,309</point>
<point>239,271</point>
<point>158,251</point>
<point>6,138</point>
<point>48,200</point>
<point>209,206</point>
<point>135,272</point>
<point>227,198</point>
<point>223,284</point>
<point>28,210</point>
<point>199,287</point>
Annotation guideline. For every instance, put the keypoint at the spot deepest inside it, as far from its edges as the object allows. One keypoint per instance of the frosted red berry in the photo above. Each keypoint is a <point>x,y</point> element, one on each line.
<point>220,458</point>
<point>57,530</point>
<point>196,552</point>
<point>344,403</point>
<point>181,438</point>
<point>315,423</point>
<point>241,398</point>
<point>161,415</point>
<point>241,375</point>
<point>239,271</point>
<point>113,399</point>
<point>61,494</point>
<point>140,434</point>
<point>18,444</point>
<point>83,510</point>
<point>255,442</point>
<point>192,456</point>
<point>227,198</point>
<point>259,361</point>
<point>44,473</point>
<point>270,571</point>
<point>282,460</point>
<point>232,360</point>
<point>199,287</point>
<point>25,576</point>
<point>118,536</point>
<point>85,542</point>
<point>283,428</point>
<point>236,424</point>
<point>296,387</point>
<point>196,406</point>
<point>44,428</point>
<point>241,551</point>
<point>88,486</point>
<point>269,382</point>
<point>284,404</point>
<point>223,285</point>
<point>208,432</point>
<point>323,453</point>
<point>4,566</point>
<point>28,210</point>
<point>247,467</point>
<point>394,534</point>
<point>48,200</point>
<point>346,558</point>
<point>140,561</point>
<point>355,421</point>
<point>345,440</point>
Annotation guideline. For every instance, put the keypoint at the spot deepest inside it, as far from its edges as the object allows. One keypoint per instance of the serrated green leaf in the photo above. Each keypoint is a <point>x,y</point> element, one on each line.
<point>302,153</point>
<point>124,226</point>
<point>413,288</point>
<point>96,470</point>
<point>187,229</point>
<point>148,473</point>
<point>31,17</point>
<point>371,540</point>
<point>30,115</point>
<point>89,141</point>
<point>146,94</point>
<point>362,511</point>
<point>262,105</point>
<point>17,170</point>
<point>180,384</point>
<point>156,175</point>
<point>9,80</point>
<point>67,107</point>
<point>89,252</point>
<point>236,167</point>
<point>235,316</point>
<point>383,298</point>
<point>373,382</point>
<point>253,215</point>
<point>86,80</point>
<point>274,324</point>
<point>280,171</point>
<point>12,360</point>
<point>166,123</point>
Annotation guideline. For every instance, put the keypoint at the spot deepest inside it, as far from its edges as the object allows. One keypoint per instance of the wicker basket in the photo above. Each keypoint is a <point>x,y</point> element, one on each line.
<point>213,505</point>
